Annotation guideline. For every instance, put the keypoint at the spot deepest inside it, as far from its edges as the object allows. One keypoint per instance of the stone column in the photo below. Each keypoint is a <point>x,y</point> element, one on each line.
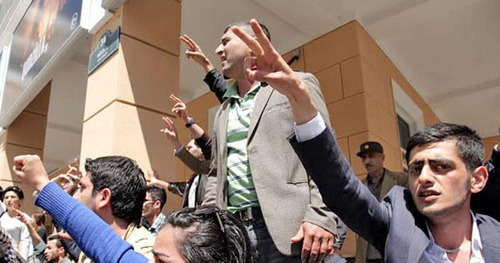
<point>26,135</point>
<point>128,94</point>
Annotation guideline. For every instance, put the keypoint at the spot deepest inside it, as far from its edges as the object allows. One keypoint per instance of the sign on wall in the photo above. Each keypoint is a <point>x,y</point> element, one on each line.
<point>108,45</point>
<point>43,30</point>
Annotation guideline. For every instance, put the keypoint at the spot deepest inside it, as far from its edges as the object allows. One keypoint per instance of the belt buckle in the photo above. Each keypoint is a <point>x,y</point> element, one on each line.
<point>249,213</point>
<point>246,215</point>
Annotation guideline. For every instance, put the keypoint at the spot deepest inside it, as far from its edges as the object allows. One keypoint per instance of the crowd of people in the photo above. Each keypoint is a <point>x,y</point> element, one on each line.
<point>270,184</point>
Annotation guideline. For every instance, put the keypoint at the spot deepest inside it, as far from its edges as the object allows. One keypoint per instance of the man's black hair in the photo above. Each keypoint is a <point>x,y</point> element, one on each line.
<point>157,193</point>
<point>468,143</point>
<point>126,181</point>
<point>245,25</point>
<point>18,191</point>
<point>205,239</point>
<point>56,238</point>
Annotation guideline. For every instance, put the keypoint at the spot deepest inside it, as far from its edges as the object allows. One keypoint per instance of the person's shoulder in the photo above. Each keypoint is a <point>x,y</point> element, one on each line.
<point>487,220</point>
<point>399,176</point>
<point>140,235</point>
<point>397,191</point>
<point>489,229</point>
<point>395,173</point>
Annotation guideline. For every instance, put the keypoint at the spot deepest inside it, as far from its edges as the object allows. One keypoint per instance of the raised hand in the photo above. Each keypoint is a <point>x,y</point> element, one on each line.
<point>267,65</point>
<point>195,53</point>
<point>29,168</point>
<point>179,109</point>
<point>154,179</point>
<point>64,235</point>
<point>171,132</point>
<point>153,176</point>
<point>20,215</point>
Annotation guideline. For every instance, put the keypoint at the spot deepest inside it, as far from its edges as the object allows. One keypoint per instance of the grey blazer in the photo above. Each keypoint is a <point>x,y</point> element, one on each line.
<point>394,226</point>
<point>287,196</point>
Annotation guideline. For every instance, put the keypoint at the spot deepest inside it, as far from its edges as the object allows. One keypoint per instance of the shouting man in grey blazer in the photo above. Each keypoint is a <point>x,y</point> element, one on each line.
<point>259,177</point>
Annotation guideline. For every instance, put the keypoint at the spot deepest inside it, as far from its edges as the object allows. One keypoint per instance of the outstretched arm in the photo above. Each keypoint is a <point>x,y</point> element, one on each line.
<point>175,188</point>
<point>34,235</point>
<point>79,221</point>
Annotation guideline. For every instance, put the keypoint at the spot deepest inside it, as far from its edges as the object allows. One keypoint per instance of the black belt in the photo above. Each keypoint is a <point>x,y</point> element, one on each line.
<point>248,214</point>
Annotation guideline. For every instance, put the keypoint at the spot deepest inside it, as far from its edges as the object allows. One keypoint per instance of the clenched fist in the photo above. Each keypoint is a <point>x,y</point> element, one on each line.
<point>29,168</point>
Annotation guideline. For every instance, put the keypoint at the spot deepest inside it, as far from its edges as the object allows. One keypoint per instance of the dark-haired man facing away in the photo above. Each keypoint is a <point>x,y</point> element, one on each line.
<point>114,188</point>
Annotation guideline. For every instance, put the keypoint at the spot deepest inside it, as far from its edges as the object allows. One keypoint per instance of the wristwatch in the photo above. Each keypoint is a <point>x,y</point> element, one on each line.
<point>190,122</point>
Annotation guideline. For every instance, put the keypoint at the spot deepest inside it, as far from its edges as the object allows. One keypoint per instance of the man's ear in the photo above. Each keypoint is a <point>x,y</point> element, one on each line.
<point>61,251</point>
<point>479,179</point>
<point>157,204</point>
<point>103,198</point>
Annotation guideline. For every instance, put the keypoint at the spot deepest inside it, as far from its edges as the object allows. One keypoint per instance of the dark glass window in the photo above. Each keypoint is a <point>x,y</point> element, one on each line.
<point>404,132</point>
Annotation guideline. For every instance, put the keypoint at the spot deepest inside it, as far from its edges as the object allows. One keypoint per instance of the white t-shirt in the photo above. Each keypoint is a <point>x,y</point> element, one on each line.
<point>18,232</point>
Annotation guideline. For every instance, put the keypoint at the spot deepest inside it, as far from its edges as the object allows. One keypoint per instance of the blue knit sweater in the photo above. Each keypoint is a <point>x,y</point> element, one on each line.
<point>94,237</point>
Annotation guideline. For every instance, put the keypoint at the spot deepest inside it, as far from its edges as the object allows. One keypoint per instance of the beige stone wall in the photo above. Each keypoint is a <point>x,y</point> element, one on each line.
<point>26,135</point>
<point>128,94</point>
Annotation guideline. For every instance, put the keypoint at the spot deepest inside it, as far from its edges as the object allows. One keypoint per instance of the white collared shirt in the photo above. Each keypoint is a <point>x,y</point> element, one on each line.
<point>435,253</point>
<point>309,130</point>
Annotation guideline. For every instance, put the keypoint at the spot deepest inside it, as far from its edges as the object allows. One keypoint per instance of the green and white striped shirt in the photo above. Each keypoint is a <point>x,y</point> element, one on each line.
<point>241,189</point>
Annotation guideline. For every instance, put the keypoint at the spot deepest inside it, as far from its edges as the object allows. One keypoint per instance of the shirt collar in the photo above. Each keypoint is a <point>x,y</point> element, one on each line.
<point>232,91</point>
<point>159,221</point>
<point>476,244</point>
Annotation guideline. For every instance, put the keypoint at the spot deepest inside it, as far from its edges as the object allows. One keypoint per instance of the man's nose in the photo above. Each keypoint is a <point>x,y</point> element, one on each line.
<point>218,50</point>
<point>426,176</point>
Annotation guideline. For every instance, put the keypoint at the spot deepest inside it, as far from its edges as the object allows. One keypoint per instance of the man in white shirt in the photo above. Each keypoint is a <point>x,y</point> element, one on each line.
<point>13,197</point>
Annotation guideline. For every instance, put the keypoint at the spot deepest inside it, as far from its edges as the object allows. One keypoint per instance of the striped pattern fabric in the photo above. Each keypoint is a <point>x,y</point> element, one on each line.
<point>7,251</point>
<point>241,189</point>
